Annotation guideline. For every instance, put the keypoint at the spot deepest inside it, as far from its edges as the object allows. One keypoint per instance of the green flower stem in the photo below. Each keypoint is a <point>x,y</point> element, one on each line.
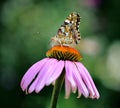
<point>56,90</point>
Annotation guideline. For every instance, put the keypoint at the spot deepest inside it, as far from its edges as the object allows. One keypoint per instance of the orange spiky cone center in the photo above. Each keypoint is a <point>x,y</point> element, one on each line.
<point>64,53</point>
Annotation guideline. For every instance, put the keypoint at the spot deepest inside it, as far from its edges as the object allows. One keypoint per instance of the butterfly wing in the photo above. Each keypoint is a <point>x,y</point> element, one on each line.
<point>70,28</point>
<point>68,33</point>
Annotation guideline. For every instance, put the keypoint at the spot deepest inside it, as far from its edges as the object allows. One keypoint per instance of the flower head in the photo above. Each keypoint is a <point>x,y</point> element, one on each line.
<point>48,70</point>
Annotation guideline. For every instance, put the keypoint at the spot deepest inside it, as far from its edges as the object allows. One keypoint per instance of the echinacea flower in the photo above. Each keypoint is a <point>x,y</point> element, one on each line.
<point>48,70</point>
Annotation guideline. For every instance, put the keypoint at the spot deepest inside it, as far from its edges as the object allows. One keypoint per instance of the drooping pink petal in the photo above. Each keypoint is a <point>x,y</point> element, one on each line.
<point>31,73</point>
<point>55,72</point>
<point>69,75</point>
<point>39,82</point>
<point>67,88</point>
<point>79,82</point>
<point>85,78</point>
<point>96,93</point>
<point>79,93</point>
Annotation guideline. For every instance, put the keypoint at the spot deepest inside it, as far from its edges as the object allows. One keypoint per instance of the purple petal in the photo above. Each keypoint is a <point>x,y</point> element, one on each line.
<point>78,79</point>
<point>55,72</point>
<point>85,78</point>
<point>69,75</point>
<point>79,93</point>
<point>67,88</point>
<point>46,71</point>
<point>38,84</point>
<point>96,93</point>
<point>31,73</point>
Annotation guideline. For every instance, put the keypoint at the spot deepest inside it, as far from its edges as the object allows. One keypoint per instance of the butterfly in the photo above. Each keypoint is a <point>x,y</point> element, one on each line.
<point>68,33</point>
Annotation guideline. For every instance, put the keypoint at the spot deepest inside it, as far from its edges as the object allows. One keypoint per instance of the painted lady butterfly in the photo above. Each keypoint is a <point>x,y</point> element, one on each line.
<point>68,33</point>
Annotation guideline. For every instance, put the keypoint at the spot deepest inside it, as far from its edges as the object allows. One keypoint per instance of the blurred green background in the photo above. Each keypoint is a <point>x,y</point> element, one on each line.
<point>26,27</point>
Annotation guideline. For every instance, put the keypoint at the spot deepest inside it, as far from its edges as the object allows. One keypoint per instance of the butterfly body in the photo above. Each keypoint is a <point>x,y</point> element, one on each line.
<point>68,33</point>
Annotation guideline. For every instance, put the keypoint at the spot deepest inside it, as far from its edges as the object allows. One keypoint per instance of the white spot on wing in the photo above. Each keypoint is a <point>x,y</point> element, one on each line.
<point>62,29</point>
<point>67,21</point>
<point>67,33</point>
